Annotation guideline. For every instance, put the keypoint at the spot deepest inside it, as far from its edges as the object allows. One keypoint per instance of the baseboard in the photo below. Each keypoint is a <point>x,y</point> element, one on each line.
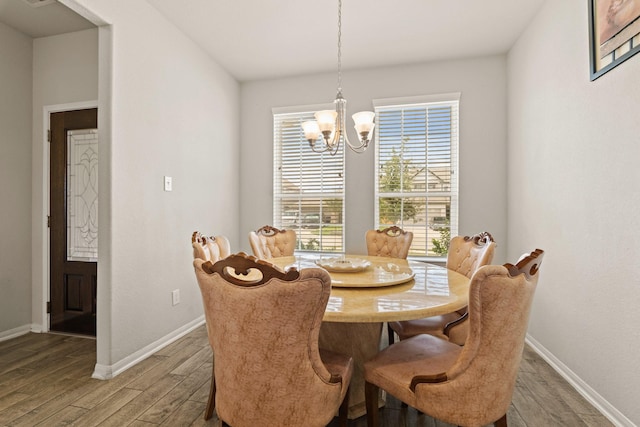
<point>15,332</point>
<point>106,372</point>
<point>601,404</point>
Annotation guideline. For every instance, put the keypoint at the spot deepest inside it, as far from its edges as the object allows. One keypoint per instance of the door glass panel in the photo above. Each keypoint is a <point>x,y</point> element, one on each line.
<point>82,195</point>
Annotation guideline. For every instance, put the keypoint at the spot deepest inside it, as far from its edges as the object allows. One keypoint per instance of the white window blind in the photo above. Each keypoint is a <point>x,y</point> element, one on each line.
<point>308,187</point>
<point>417,172</point>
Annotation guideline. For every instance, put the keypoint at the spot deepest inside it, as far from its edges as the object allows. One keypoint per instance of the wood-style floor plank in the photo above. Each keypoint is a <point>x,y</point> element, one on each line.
<point>185,414</point>
<point>106,408</point>
<point>141,403</point>
<point>173,400</point>
<point>38,397</point>
<point>67,416</point>
<point>45,379</point>
<point>34,376</point>
<point>104,389</point>
<point>178,357</point>
<point>38,408</point>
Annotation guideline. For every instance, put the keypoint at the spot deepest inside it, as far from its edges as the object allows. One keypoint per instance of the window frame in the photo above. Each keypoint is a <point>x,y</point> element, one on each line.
<point>299,224</point>
<point>414,102</point>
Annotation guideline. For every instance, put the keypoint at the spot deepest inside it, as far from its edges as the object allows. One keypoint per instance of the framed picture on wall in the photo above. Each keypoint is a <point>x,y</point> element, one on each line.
<point>614,33</point>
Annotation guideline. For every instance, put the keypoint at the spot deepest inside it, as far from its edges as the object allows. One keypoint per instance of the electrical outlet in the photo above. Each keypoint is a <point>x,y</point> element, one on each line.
<point>168,183</point>
<point>175,297</point>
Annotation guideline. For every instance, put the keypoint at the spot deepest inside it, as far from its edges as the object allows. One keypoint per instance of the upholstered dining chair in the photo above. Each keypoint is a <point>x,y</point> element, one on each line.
<point>466,254</point>
<point>470,385</point>
<point>270,242</point>
<point>210,248</point>
<point>264,331</point>
<point>392,242</point>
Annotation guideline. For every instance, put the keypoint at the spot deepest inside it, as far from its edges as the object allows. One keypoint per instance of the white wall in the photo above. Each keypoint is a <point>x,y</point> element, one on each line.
<point>15,181</point>
<point>65,71</point>
<point>173,111</point>
<point>482,83</point>
<point>573,145</point>
<point>573,191</point>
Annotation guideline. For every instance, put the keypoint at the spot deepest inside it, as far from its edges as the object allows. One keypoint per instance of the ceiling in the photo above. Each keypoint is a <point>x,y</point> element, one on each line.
<point>257,39</point>
<point>51,19</point>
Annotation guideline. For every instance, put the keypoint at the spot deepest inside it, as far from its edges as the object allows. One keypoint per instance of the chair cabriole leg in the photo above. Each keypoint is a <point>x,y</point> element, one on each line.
<point>343,412</point>
<point>502,422</point>
<point>211,404</point>
<point>371,401</point>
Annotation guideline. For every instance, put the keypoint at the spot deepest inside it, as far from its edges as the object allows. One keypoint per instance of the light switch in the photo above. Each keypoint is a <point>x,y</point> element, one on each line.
<point>168,183</point>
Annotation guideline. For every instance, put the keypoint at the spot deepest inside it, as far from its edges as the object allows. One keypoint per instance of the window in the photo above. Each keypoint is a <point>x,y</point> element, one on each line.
<point>308,187</point>
<point>417,169</point>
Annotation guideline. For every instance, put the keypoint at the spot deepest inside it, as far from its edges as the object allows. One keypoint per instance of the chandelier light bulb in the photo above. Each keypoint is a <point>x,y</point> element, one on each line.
<point>311,130</point>
<point>364,123</point>
<point>326,120</point>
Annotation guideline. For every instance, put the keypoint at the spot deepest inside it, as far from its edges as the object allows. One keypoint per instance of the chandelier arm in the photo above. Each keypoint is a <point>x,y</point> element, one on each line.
<point>326,148</point>
<point>337,133</point>
<point>334,149</point>
<point>357,148</point>
<point>316,150</point>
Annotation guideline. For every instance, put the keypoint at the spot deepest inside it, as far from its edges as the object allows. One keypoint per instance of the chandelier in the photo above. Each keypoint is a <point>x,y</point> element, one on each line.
<point>328,131</point>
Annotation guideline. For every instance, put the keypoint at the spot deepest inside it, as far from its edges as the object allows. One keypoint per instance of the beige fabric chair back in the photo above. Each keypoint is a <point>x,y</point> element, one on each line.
<point>270,242</point>
<point>210,248</point>
<point>467,254</point>
<point>480,383</point>
<point>471,385</point>
<point>391,242</point>
<point>264,334</point>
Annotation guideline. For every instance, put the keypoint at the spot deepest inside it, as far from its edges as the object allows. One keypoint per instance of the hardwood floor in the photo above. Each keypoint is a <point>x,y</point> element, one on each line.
<point>45,381</point>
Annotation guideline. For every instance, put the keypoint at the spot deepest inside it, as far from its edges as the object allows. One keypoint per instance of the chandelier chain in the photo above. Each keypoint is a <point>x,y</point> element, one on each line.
<point>339,46</point>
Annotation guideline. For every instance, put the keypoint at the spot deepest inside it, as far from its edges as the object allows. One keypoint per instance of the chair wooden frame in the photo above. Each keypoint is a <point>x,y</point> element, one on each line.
<point>393,231</point>
<point>242,264</point>
<point>267,230</point>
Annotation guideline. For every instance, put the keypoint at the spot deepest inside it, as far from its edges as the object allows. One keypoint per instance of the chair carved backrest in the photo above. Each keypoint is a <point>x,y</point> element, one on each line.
<point>391,242</point>
<point>500,299</point>
<point>270,242</point>
<point>209,248</point>
<point>466,254</point>
<point>264,333</point>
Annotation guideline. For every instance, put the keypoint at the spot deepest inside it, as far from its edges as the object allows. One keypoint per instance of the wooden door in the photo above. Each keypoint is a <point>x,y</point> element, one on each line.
<point>73,221</point>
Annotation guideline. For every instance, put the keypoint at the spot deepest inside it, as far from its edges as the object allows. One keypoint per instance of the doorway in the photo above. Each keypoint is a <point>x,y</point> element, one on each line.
<point>73,221</point>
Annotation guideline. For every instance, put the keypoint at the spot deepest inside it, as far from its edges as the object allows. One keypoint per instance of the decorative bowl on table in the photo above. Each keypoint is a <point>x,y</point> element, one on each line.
<point>343,265</point>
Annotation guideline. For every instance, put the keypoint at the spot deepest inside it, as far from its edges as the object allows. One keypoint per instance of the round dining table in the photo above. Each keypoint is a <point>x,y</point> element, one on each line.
<point>367,291</point>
